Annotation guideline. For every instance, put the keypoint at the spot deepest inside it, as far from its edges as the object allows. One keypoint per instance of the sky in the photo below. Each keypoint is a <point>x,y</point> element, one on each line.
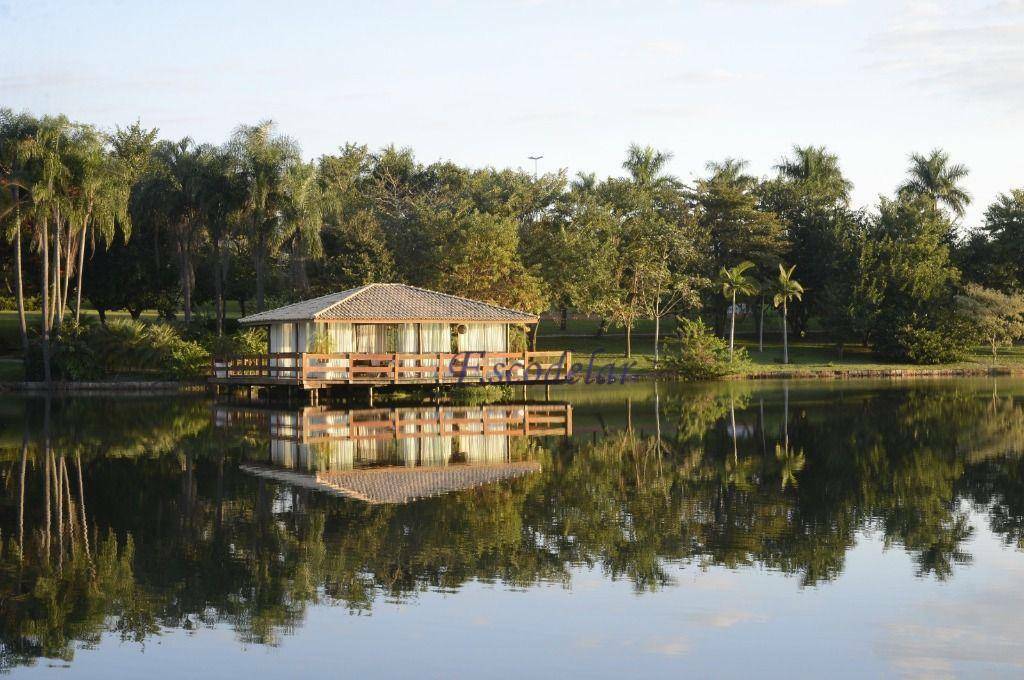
<point>491,83</point>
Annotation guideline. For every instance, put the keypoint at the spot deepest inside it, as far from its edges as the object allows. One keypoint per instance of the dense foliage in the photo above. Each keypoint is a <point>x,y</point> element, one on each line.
<point>126,220</point>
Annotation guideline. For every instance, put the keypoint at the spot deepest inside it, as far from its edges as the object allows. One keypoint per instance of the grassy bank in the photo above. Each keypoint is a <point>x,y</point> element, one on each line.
<point>807,358</point>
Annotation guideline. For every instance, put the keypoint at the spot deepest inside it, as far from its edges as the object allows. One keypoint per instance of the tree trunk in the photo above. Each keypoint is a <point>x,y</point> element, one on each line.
<point>20,288</point>
<point>760,329</point>
<point>732,325</point>
<point>657,334</point>
<point>56,274</point>
<point>69,248</point>
<point>785,336</point>
<point>45,240</point>
<point>259,279</point>
<point>186,283</point>
<point>218,286</point>
<point>563,319</point>
<point>81,266</point>
<point>629,339</point>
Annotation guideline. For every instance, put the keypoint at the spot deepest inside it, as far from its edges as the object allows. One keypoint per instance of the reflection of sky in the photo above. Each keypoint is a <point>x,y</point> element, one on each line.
<point>876,619</point>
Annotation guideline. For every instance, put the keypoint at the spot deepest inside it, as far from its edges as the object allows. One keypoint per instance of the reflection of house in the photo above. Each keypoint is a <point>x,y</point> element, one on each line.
<point>398,484</point>
<point>392,455</point>
<point>389,333</point>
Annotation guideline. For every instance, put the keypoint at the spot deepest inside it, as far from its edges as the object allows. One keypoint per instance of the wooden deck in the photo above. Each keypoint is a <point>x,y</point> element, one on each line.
<point>313,371</point>
<point>318,424</point>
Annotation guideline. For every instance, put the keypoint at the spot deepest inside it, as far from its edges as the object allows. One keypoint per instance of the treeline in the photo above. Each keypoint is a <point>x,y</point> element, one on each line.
<point>125,220</point>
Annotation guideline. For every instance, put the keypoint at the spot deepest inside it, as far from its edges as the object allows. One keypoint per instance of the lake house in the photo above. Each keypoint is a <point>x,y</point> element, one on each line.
<point>391,334</point>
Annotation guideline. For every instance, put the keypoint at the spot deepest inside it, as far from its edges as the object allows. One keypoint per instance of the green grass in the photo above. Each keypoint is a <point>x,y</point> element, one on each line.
<point>803,355</point>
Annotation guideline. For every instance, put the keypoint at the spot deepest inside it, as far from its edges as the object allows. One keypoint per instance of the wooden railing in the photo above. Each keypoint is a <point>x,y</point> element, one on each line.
<point>417,422</point>
<point>394,368</point>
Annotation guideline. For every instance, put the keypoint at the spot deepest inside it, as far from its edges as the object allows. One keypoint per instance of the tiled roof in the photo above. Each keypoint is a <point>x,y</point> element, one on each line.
<point>398,484</point>
<point>390,302</point>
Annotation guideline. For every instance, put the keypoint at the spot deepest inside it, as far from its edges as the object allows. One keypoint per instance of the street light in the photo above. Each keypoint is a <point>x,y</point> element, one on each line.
<point>535,159</point>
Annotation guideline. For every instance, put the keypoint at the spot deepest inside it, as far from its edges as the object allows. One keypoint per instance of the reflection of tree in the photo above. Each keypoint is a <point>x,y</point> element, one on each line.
<point>153,525</point>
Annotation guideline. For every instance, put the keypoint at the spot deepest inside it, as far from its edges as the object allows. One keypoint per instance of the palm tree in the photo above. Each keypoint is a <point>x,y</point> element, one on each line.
<point>15,132</point>
<point>933,177</point>
<point>646,168</point>
<point>734,282</point>
<point>263,159</point>
<point>814,165</point>
<point>786,288</point>
<point>302,215</point>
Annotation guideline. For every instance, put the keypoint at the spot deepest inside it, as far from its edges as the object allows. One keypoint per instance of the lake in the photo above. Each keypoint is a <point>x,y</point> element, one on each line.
<point>807,528</point>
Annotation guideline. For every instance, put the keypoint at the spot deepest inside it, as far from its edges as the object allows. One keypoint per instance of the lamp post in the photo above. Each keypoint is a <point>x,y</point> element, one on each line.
<point>535,159</point>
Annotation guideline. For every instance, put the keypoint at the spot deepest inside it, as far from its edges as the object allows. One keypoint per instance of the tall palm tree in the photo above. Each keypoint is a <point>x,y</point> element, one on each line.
<point>786,288</point>
<point>815,165</point>
<point>15,200</point>
<point>263,158</point>
<point>302,216</point>
<point>935,178</point>
<point>735,282</point>
<point>646,168</point>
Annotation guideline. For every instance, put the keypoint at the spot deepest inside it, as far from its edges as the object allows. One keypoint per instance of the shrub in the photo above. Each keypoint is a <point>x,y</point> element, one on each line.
<point>122,348</point>
<point>932,346</point>
<point>695,353</point>
<point>245,341</point>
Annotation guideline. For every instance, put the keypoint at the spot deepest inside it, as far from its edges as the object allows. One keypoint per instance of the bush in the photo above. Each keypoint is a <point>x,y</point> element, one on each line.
<point>122,348</point>
<point>695,353</point>
<point>933,346</point>
<point>245,341</point>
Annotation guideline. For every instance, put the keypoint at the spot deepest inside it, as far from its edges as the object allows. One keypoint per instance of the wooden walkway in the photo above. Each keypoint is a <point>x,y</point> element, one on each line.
<point>314,371</point>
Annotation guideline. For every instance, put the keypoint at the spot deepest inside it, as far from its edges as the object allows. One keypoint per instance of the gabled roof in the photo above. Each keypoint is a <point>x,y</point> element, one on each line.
<point>397,484</point>
<point>389,302</point>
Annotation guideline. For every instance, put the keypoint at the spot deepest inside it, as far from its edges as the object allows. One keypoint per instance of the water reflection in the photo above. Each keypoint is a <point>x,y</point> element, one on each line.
<point>126,517</point>
<point>396,455</point>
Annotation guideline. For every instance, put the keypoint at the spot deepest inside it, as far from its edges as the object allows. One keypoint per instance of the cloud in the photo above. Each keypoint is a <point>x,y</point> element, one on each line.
<point>668,646</point>
<point>941,49</point>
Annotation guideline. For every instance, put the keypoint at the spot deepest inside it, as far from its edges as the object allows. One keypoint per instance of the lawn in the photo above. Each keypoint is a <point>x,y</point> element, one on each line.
<point>579,338</point>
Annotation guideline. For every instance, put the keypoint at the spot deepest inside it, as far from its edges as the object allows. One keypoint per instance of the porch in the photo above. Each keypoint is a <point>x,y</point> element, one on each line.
<point>316,370</point>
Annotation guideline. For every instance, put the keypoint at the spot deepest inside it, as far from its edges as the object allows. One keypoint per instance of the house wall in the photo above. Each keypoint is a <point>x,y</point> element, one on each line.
<point>379,338</point>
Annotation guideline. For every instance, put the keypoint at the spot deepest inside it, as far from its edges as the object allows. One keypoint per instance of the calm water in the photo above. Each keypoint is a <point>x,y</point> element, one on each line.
<point>851,529</point>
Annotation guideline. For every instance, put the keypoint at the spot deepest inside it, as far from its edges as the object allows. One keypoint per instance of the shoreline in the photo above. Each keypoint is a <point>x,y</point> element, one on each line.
<point>897,373</point>
<point>181,387</point>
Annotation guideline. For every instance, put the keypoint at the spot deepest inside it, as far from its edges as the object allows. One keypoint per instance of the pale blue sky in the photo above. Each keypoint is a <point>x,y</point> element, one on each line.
<point>489,83</point>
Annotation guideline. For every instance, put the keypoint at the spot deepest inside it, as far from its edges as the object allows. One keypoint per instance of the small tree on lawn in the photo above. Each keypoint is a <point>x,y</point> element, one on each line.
<point>735,282</point>
<point>998,316</point>
<point>786,288</point>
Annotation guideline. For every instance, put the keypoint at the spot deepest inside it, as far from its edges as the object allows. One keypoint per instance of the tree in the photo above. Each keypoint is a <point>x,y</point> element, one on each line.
<point>907,283</point>
<point>739,227</point>
<point>786,288</point>
<point>935,178</point>
<point>16,131</point>
<point>1004,226</point>
<point>810,195</point>
<point>263,159</point>
<point>484,264</point>
<point>998,317</point>
<point>170,197</point>
<point>734,282</point>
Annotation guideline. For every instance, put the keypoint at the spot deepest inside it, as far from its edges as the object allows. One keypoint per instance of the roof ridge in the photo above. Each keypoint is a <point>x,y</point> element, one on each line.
<point>464,299</point>
<point>352,292</point>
